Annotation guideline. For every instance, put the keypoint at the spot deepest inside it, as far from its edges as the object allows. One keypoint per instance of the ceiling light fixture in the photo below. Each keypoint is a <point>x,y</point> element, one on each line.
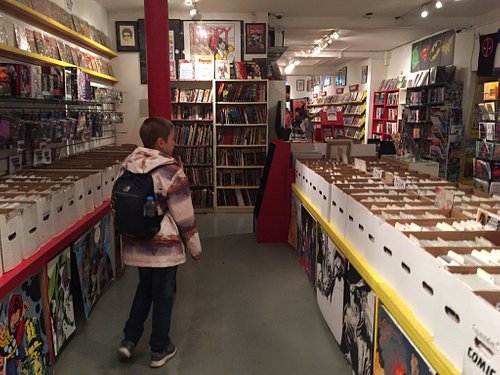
<point>193,12</point>
<point>188,2</point>
<point>336,35</point>
<point>439,4</point>
<point>424,13</point>
<point>289,68</point>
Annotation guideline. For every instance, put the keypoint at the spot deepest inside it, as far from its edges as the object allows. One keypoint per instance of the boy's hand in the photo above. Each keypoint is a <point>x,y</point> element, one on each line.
<point>196,259</point>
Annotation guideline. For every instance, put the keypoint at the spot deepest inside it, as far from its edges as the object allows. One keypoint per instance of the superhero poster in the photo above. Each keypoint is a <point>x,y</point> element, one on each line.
<point>395,354</point>
<point>359,318</point>
<point>94,262</point>
<point>331,267</point>
<point>23,337</point>
<point>307,244</point>
<point>62,315</point>
<point>221,39</point>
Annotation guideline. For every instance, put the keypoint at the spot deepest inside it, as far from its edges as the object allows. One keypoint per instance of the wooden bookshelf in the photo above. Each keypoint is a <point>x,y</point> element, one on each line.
<point>32,17</point>
<point>250,99</point>
<point>37,59</point>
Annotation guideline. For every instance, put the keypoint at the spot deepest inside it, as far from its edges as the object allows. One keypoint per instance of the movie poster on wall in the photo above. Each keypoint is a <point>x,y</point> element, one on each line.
<point>221,39</point>
<point>62,315</point>
<point>331,267</point>
<point>357,332</point>
<point>395,352</point>
<point>308,244</point>
<point>23,338</point>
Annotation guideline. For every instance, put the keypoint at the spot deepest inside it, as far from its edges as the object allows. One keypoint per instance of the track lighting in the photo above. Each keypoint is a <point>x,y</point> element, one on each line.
<point>439,4</point>
<point>193,12</point>
<point>188,2</point>
<point>336,35</point>
<point>424,13</point>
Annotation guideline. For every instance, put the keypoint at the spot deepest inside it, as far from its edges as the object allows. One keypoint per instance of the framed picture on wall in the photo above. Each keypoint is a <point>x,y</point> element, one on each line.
<point>299,85</point>
<point>255,38</point>
<point>341,77</point>
<point>364,74</point>
<point>327,81</point>
<point>126,36</point>
<point>309,87</point>
<point>221,39</point>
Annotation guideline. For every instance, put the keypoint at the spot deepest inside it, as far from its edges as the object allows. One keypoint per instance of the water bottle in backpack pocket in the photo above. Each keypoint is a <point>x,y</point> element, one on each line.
<point>136,212</point>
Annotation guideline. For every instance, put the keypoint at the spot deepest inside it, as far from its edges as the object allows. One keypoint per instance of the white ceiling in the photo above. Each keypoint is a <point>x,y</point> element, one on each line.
<point>306,21</point>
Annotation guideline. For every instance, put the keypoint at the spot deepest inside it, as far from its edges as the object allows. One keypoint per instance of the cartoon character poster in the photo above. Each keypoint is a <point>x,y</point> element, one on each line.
<point>62,315</point>
<point>295,223</point>
<point>94,262</point>
<point>23,338</point>
<point>308,245</point>
<point>331,267</point>
<point>219,39</point>
<point>395,353</point>
<point>256,38</point>
<point>357,332</point>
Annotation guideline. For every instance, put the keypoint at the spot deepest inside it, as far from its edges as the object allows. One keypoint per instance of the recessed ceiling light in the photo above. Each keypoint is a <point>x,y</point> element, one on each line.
<point>439,4</point>
<point>424,13</point>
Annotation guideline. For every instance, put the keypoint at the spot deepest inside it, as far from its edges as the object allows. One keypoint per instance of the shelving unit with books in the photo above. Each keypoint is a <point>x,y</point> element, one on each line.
<point>241,141</point>
<point>385,114</point>
<point>192,115</point>
<point>487,119</point>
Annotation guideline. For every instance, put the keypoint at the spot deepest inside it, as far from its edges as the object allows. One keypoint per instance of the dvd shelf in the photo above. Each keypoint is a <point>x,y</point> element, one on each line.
<point>241,141</point>
<point>385,114</point>
<point>192,113</point>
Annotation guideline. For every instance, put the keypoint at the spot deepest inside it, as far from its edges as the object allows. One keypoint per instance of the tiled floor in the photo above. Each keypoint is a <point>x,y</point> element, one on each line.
<point>246,309</point>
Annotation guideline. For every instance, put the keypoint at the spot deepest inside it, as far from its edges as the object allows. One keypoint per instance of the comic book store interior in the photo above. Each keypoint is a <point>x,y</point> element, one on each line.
<point>220,187</point>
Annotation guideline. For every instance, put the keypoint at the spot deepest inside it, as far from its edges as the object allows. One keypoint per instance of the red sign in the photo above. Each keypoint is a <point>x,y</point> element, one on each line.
<point>340,91</point>
<point>353,88</point>
<point>323,93</point>
<point>315,96</point>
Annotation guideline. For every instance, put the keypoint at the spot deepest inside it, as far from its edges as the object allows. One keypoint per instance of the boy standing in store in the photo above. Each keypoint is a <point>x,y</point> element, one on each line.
<point>158,258</point>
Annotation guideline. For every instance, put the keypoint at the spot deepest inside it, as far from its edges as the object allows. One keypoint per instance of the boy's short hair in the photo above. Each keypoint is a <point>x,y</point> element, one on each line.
<point>153,128</point>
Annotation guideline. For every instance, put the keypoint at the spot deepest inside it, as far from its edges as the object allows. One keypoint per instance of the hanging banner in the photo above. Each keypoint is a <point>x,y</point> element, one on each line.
<point>435,51</point>
<point>487,51</point>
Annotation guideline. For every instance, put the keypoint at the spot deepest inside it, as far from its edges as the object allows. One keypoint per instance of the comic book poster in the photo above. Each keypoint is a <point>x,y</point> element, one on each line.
<point>395,352</point>
<point>308,245</point>
<point>295,223</point>
<point>357,332</point>
<point>62,315</point>
<point>331,268</point>
<point>221,39</point>
<point>94,262</point>
<point>23,338</point>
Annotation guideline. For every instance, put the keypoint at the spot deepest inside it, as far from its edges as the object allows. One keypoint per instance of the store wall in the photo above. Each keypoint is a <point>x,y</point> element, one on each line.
<point>126,68</point>
<point>292,81</point>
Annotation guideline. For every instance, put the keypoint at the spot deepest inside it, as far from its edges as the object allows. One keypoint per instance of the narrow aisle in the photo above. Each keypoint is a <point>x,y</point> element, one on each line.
<point>247,309</point>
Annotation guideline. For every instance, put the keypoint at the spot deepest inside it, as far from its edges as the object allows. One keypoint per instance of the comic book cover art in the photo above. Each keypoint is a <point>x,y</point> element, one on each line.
<point>62,315</point>
<point>357,332</point>
<point>23,339</point>
<point>395,352</point>
<point>295,222</point>
<point>3,32</point>
<point>68,54</point>
<point>308,245</point>
<point>39,42</point>
<point>94,262</point>
<point>21,40</point>
<point>31,40</point>
<point>54,50</point>
<point>331,268</point>
<point>47,46</point>
<point>217,39</point>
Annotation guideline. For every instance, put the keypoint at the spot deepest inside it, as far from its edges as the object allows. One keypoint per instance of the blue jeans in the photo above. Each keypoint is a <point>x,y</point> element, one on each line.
<point>157,286</point>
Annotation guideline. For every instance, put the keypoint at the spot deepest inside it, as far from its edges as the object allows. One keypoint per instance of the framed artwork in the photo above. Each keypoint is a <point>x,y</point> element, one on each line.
<point>327,81</point>
<point>126,36</point>
<point>364,74</point>
<point>299,85</point>
<point>175,46</point>
<point>221,39</point>
<point>341,77</point>
<point>255,38</point>
<point>309,84</point>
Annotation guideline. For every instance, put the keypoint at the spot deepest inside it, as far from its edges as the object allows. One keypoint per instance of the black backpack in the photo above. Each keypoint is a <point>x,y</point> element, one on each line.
<point>128,198</point>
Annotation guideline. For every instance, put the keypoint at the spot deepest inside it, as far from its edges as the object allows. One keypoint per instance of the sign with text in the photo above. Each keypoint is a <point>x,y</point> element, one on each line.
<point>399,183</point>
<point>354,88</point>
<point>377,172</point>
<point>339,91</point>
<point>434,51</point>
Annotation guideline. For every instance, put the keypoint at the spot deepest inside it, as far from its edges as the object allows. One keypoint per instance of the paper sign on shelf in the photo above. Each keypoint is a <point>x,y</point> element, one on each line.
<point>377,172</point>
<point>485,217</point>
<point>47,156</point>
<point>37,157</point>
<point>15,163</point>
<point>399,183</point>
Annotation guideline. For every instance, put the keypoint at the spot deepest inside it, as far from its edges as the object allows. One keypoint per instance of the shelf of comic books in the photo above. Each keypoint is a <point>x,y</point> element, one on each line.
<point>34,58</point>
<point>359,273</point>
<point>34,16</point>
